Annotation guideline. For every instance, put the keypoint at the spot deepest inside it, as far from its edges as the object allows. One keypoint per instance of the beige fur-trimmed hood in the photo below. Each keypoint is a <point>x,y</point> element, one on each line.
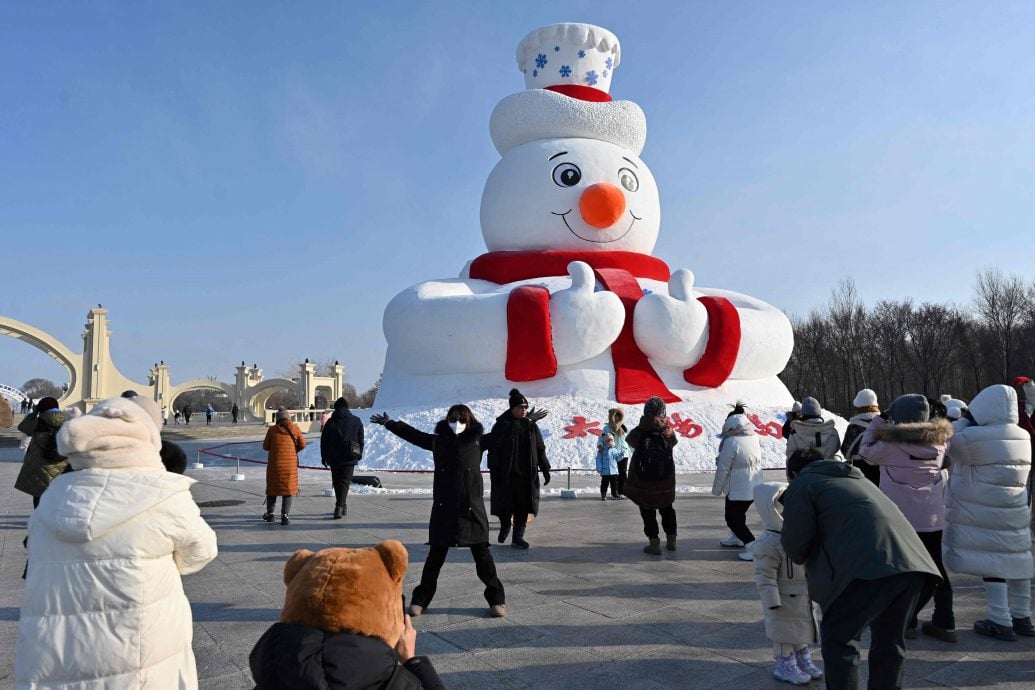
<point>934,432</point>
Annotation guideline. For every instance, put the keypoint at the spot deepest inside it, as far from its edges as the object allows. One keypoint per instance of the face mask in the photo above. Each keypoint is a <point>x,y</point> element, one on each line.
<point>457,427</point>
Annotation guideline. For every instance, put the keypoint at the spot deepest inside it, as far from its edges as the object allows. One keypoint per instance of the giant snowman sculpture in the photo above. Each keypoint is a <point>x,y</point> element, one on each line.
<point>569,305</point>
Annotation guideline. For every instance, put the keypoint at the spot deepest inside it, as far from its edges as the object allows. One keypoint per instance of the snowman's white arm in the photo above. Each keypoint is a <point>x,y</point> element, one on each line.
<point>766,337</point>
<point>448,326</point>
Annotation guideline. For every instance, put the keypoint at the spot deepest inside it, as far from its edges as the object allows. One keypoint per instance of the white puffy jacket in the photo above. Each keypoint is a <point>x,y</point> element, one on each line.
<point>987,515</point>
<point>104,605</point>
<point>738,468</point>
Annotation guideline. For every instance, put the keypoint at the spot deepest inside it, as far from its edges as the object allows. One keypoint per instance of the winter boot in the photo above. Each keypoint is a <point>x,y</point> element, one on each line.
<point>416,610</point>
<point>732,541</point>
<point>654,547</point>
<point>787,670</point>
<point>1023,626</point>
<point>338,513</point>
<point>284,519</point>
<point>943,634</point>
<point>519,538</point>
<point>992,629</point>
<point>670,542</point>
<point>498,610</point>
<point>268,517</point>
<point>746,554</point>
<point>804,659</point>
<point>504,532</point>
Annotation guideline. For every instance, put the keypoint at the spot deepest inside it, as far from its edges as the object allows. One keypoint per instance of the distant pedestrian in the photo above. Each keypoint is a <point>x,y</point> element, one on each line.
<point>738,470</point>
<point>312,413</point>
<point>165,415</point>
<point>341,448</point>
<point>516,457</point>
<point>987,515</point>
<point>187,412</point>
<point>616,427</point>
<point>909,449</point>
<point>812,431</point>
<point>86,622</point>
<point>790,615</point>
<point>283,441</point>
<point>864,564</point>
<point>234,412</point>
<point>652,475</point>
<point>176,417</point>
<point>209,411</point>
<point>607,459</point>
<point>457,509</point>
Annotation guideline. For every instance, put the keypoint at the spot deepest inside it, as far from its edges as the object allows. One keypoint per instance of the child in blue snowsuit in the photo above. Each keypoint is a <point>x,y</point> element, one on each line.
<point>608,456</point>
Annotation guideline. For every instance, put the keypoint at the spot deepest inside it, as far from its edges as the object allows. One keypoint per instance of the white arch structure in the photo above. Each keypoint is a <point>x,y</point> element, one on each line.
<point>11,393</point>
<point>93,376</point>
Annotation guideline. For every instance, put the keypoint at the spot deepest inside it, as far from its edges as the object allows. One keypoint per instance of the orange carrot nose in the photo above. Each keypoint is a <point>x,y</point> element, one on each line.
<point>602,204</point>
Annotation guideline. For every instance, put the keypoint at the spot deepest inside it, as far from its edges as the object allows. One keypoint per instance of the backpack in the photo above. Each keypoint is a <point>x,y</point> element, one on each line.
<point>652,458</point>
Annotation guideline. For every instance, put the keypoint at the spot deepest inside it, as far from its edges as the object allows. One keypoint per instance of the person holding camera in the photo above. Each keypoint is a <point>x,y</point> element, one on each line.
<point>341,447</point>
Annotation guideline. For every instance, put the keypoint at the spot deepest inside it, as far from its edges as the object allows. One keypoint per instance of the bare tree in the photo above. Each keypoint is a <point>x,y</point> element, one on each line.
<point>1002,303</point>
<point>40,388</point>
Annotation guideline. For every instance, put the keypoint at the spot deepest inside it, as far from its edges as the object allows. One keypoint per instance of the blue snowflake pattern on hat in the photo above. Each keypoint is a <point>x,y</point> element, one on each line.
<point>556,49</point>
<point>535,73</point>
<point>565,71</point>
<point>582,53</point>
<point>604,74</point>
<point>540,61</point>
<point>609,62</point>
<point>591,78</point>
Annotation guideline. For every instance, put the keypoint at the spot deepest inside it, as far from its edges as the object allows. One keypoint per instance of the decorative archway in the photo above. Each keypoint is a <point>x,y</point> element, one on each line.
<point>11,393</point>
<point>53,348</point>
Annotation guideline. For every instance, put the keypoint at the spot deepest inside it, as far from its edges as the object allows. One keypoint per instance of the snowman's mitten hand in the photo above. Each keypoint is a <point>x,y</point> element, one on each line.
<point>672,329</point>
<point>584,322</point>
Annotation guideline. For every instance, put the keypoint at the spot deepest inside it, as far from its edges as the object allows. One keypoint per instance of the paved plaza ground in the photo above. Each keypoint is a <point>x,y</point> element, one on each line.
<point>585,607</point>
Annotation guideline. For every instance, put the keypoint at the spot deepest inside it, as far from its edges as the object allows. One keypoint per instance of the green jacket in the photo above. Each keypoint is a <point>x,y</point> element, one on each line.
<point>42,462</point>
<point>843,528</point>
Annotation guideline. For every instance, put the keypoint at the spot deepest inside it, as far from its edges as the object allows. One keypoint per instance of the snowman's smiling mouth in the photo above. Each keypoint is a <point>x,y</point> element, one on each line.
<point>590,239</point>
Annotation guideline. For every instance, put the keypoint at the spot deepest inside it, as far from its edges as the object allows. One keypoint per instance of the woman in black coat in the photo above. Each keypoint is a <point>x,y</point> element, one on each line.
<point>458,510</point>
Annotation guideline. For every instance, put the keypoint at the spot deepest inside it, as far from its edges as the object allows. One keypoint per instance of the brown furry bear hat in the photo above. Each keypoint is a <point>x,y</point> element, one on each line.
<point>352,590</point>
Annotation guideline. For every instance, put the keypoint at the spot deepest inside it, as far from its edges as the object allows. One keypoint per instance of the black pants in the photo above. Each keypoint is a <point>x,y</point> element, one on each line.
<point>650,521</point>
<point>623,472</point>
<point>341,477</point>
<point>943,616</point>
<point>607,480</point>
<point>885,606</point>
<point>35,502</point>
<point>483,565</point>
<point>235,419</point>
<point>736,519</point>
<point>517,519</point>
<point>285,504</point>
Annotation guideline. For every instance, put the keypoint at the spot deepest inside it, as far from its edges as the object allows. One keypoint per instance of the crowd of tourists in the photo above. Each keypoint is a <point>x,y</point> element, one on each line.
<point>862,535</point>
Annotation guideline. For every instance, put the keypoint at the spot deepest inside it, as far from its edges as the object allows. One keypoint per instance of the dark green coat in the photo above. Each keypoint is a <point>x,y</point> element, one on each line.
<point>42,462</point>
<point>843,528</point>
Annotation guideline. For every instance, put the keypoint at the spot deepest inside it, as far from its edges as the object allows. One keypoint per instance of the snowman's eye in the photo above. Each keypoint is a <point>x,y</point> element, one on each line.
<point>628,179</point>
<point>567,175</point>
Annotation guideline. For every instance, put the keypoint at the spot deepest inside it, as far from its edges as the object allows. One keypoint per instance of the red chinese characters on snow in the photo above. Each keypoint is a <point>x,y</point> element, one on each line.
<point>581,428</point>
<point>687,428</point>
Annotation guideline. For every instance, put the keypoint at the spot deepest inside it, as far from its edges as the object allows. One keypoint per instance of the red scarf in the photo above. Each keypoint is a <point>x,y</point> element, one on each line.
<point>530,353</point>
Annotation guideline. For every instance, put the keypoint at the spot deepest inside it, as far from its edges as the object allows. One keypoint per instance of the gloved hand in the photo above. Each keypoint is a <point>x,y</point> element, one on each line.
<point>535,414</point>
<point>546,478</point>
<point>381,419</point>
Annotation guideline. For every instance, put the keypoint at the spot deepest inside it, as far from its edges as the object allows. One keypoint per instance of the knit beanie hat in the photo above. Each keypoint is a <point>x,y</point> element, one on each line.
<point>341,403</point>
<point>796,407</point>
<point>810,407</point>
<point>282,414</point>
<point>47,403</point>
<point>516,399</point>
<point>655,407</point>
<point>116,434</point>
<point>865,398</point>
<point>910,408</point>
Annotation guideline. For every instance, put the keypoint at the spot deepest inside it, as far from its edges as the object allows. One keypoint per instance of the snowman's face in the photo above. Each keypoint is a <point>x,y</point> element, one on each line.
<point>571,194</point>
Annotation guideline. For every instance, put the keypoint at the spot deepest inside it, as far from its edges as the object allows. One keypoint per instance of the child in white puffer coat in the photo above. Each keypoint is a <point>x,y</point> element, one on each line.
<point>790,615</point>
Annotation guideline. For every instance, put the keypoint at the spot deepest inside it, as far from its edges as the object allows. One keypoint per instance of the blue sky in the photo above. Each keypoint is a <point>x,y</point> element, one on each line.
<point>256,180</point>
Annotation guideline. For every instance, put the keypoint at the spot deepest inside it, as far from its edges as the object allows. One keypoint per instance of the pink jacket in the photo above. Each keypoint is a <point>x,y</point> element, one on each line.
<point>910,458</point>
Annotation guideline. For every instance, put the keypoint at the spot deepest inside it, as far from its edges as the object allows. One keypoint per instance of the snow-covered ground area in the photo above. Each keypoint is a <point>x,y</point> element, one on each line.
<point>568,432</point>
